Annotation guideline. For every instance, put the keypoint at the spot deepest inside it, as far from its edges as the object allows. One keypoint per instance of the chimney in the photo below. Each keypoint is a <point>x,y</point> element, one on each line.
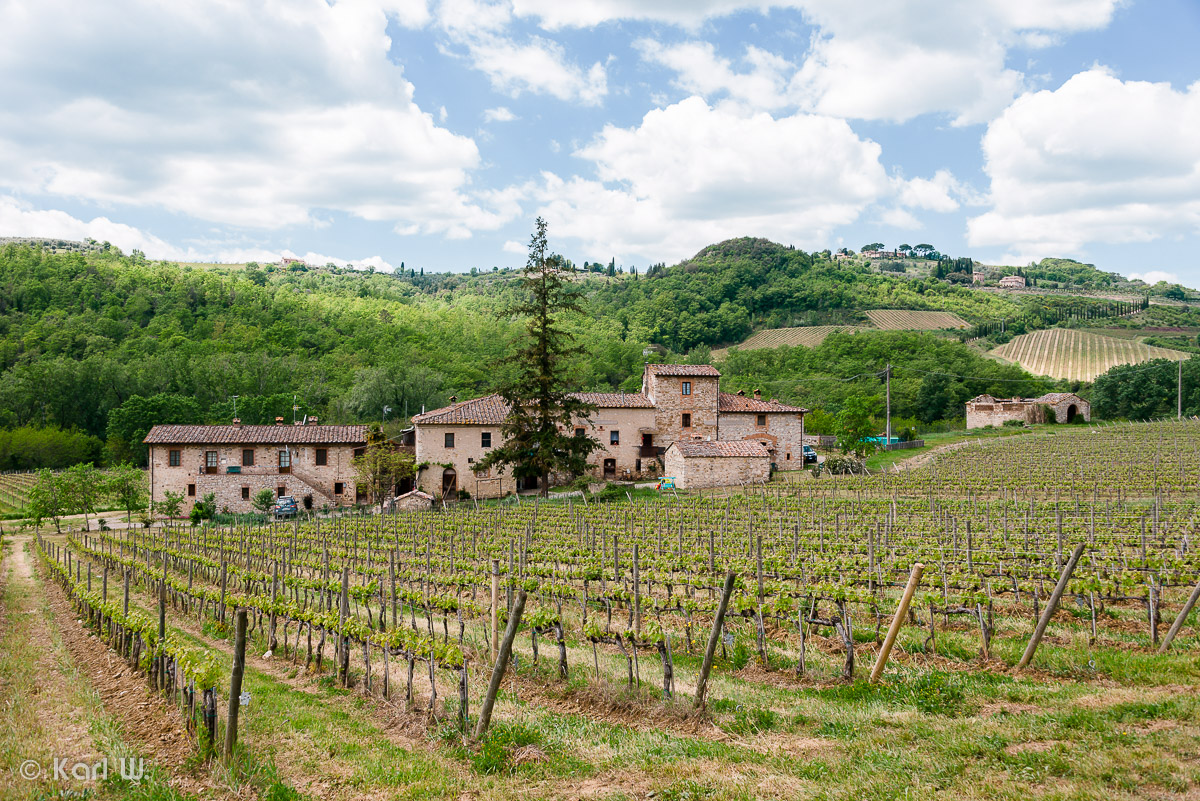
<point>741,393</point>
<point>312,421</point>
<point>297,422</point>
<point>454,399</point>
<point>758,394</point>
<point>278,421</point>
<point>237,422</point>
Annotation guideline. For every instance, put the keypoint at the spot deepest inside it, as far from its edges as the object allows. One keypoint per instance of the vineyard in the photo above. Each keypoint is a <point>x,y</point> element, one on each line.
<point>754,618</point>
<point>1077,355</point>
<point>14,491</point>
<point>808,336</point>
<point>904,320</point>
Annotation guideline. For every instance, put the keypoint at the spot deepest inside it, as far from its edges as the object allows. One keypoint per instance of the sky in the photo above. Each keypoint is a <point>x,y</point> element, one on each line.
<point>433,132</point>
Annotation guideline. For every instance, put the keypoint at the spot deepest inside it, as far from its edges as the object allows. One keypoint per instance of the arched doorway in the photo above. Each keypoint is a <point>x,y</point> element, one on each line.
<point>1071,412</point>
<point>449,483</point>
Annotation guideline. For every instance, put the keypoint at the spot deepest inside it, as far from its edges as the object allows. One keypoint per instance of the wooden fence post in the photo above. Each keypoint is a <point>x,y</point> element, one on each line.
<point>914,579</point>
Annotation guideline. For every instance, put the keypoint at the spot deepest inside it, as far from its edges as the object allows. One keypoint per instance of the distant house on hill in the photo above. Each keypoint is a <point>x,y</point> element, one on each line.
<point>1012,282</point>
<point>985,410</point>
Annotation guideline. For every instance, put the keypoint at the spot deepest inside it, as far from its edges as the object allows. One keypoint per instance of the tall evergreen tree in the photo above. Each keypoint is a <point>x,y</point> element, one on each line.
<point>540,436</point>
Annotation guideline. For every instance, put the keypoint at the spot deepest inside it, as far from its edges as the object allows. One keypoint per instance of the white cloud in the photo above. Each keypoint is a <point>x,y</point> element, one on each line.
<point>512,246</point>
<point>900,218</point>
<point>19,219</point>
<point>499,114</point>
<point>285,113</point>
<point>897,60</point>
<point>702,72</point>
<point>1154,276</point>
<point>553,14</point>
<point>692,174</point>
<point>1098,160</point>
<point>867,59</point>
<point>943,193</point>
<point>319,260</point>
<point>540,66</point>
<point>537,65</point>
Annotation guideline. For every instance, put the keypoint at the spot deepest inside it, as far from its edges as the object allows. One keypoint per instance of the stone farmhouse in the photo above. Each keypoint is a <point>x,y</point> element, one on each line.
<point>309,462</point>
<point>1012,282</point>
<point>984,410</point>
<point>679,403</point>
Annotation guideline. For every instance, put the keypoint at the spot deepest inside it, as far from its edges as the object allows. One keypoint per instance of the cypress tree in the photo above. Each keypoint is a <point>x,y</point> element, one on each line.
<point>539,432</point>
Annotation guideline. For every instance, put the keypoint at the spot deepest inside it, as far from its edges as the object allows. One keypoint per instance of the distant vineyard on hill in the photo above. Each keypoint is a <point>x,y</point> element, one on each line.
<point>808,336</point>
<point>1077,355</point>
<point>904,320</point>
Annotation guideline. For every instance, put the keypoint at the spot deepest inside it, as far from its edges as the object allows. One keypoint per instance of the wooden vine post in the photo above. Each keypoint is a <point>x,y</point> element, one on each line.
<point>1051,606</point>
<point>343,638</point>
<point>914,579</point>
<point>1180,619</point>
<point>235,684</point>
<point>713,638</point>
<point>495,609</point>
<point>510,634</point>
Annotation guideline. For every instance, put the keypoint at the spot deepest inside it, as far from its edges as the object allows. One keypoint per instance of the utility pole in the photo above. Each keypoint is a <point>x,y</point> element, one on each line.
<point>888,438</point>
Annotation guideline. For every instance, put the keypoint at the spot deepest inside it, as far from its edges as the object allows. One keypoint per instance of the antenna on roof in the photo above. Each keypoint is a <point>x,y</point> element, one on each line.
<point>295,409</point>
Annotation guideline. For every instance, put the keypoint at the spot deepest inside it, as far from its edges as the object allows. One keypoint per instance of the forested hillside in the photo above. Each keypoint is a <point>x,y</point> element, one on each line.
<point>109,345</point>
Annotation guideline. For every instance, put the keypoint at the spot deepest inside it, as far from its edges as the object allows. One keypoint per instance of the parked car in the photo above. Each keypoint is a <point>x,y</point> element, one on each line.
<point>810,455</point>
<point>285,507</point>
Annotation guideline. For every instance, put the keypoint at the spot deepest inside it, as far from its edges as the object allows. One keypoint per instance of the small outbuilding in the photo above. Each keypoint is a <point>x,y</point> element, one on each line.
<point>415,501</point>
<point>717,463</point>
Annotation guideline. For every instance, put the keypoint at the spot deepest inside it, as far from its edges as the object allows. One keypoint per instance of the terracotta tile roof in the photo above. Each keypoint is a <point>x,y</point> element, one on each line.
<point>615,400</point>
<point>727,403</point>
<point>265,435</point>
<point>683,369</point>
<point>488,410</point>
<point>720,448</point>
<point>492,409</point>
<point>1056,397</point>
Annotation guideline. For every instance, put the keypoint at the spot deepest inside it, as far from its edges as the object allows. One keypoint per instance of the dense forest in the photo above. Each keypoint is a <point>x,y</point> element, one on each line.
<point>105,345</point>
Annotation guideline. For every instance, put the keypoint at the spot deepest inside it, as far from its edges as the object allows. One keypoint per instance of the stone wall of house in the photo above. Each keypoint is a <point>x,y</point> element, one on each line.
<point>780,435</point>
<point>191,480</point>
<point>716,471</point>
<point>670,404</point>
<point>466,452</point>
<point>628,460</point>
<point>982,414</point>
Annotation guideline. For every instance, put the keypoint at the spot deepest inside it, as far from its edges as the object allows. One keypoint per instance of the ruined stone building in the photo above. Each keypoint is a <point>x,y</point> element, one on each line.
<point>984,410</point>
<point>679,403</point>
<point>309,462</point>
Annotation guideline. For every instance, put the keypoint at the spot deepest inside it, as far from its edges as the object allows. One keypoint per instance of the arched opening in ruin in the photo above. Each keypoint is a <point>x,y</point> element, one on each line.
<point>449,482</point>
<point>1071,412</point>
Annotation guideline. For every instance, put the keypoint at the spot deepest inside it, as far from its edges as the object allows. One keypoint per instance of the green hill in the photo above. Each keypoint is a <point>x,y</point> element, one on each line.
<point>86,332</point>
